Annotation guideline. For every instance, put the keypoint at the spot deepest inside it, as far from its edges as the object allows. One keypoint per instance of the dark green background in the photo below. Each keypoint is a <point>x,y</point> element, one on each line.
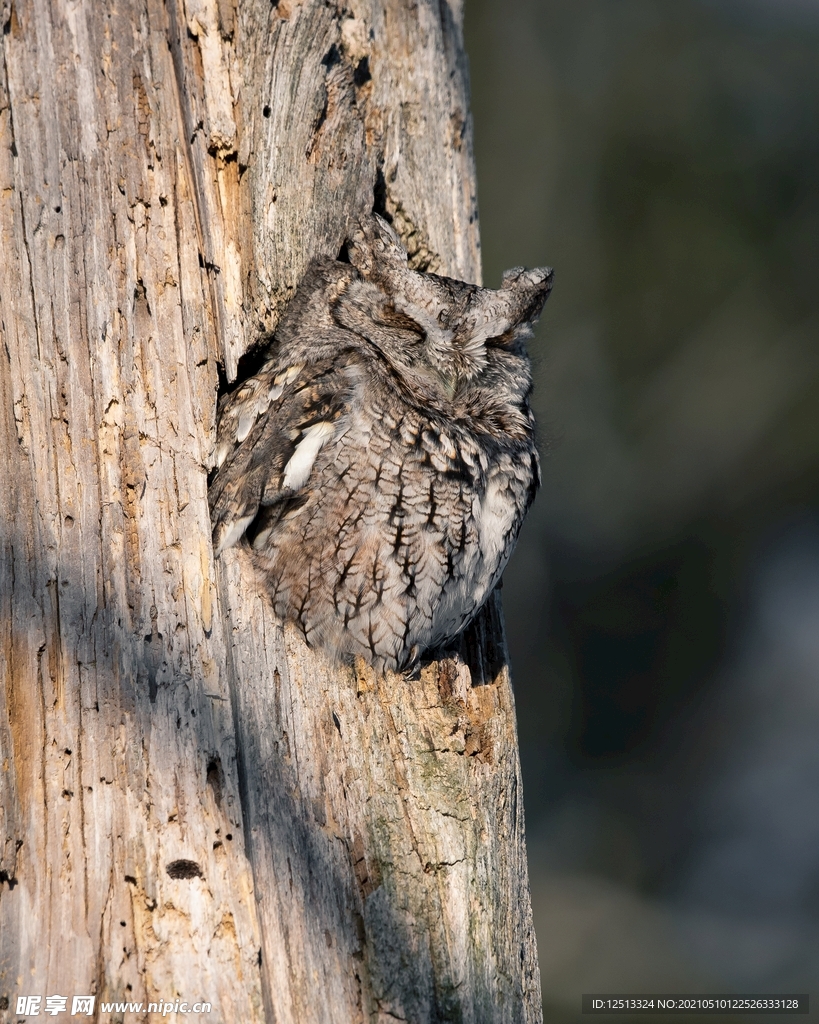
<point>663,603</point>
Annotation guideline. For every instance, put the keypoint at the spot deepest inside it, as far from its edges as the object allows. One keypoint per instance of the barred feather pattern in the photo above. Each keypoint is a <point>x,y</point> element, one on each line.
<point>380,464</point>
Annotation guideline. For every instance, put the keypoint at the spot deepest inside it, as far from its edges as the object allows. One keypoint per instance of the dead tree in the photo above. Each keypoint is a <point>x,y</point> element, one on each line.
<point>193,805</point>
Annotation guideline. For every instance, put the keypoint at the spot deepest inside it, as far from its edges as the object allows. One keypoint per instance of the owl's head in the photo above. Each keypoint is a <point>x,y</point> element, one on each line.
<point>439,330</point>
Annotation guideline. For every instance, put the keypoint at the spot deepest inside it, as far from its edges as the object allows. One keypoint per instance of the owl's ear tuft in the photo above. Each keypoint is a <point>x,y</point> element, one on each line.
<point>375,246</point>
<point>537,282</point>
<point>388,236</point>
<point>511,275</point>
<point>502,317</point>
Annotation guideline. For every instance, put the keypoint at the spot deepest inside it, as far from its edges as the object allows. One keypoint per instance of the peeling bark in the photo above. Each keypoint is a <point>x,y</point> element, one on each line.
<point>192,804</point>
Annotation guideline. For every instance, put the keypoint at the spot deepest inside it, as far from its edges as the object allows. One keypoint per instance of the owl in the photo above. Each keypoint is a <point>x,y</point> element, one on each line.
<point>379,465</point>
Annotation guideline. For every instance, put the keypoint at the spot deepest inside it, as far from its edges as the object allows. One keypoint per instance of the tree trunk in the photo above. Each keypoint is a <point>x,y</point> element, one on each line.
<point>193,805</point>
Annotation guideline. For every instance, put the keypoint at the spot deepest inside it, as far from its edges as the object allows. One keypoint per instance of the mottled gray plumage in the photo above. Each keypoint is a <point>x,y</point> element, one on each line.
<point>381,462</point>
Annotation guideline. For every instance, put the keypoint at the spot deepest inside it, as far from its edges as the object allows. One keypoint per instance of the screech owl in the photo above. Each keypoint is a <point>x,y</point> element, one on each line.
<point>380,464</point>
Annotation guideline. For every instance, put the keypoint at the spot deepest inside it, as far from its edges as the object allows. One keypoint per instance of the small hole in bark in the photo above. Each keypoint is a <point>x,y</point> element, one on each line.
<point>58,209</point>
<point>130,879</point>
<point>362,75</point>
<point>213,777</point>
<point>337,723</point>
<point>332,57</point>
<point>229,837</point>
<point>184,869</point>
<point>380,196</point>
<point>266,110</point>
<point>122,924</point>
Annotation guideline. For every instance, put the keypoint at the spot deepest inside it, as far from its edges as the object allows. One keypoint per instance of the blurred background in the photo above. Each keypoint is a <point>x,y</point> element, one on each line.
<point>663,603</point>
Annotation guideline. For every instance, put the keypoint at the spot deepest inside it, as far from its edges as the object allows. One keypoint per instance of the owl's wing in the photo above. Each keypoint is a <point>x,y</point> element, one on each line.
<point>269,435</point>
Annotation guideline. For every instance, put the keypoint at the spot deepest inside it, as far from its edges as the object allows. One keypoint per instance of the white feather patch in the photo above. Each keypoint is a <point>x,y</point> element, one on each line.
<point>261,539</point>
<point>289,374</point>
<point>222,452</point>
<point>246,421</point>
<point>301,461</point>
<point>498,513</point>
<point>234,533</point>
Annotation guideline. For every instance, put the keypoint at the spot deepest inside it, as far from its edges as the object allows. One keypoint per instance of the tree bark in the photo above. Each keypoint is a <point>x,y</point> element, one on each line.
<point>193,805</point>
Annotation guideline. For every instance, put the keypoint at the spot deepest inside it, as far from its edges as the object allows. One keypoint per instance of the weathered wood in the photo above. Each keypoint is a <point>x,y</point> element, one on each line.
<point>192,804</point>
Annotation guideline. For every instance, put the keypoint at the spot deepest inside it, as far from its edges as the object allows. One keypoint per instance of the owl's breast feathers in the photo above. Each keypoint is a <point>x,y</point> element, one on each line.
<point>380,466</point>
